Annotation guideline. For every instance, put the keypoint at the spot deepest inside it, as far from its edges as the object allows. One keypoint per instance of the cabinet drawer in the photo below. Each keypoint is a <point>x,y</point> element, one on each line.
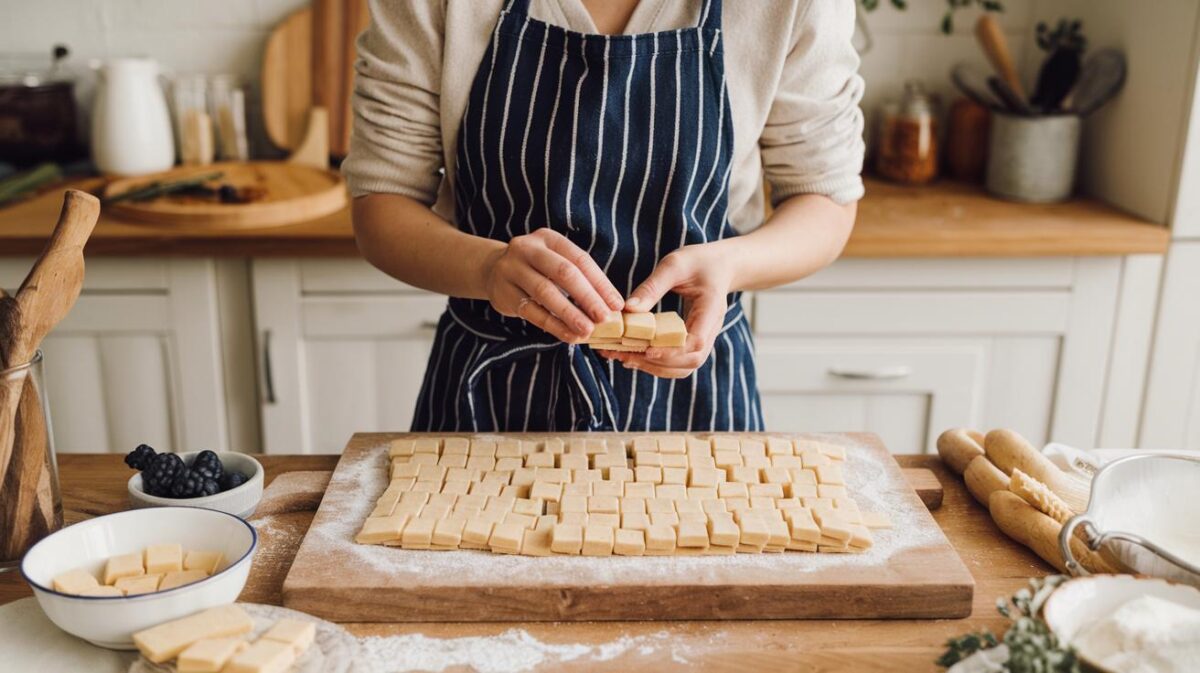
<point>905,390</point>
<point>366,317</point>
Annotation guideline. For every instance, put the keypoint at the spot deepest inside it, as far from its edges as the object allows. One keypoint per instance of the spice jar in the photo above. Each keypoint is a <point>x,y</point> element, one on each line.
<point>227,99</point>
<point>907,140</point>
<point>193,125</point>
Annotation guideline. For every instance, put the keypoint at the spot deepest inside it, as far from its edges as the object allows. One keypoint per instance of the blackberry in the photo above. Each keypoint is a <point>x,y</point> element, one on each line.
<point>140,457</point>
<point>187,484</point>
<point>160,472</point>
<point>208,464</point>
<point>232,480</point>
<point>211,487</point>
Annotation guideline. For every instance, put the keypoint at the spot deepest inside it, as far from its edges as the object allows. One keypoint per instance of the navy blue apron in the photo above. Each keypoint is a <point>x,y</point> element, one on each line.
<point>622,143</point>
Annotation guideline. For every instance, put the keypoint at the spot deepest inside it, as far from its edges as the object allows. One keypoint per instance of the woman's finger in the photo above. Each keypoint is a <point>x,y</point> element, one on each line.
<point>545,292</point>
<point>562,272</point>
<point>532,312</point>
<point>669,273</point>
<point>590,269</point>
<point>656,370</point>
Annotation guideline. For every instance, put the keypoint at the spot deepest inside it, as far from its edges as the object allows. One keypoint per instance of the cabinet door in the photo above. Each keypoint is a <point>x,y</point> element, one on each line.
<point>138,358</point>
<point>906,391</point>
<point>338,357</point>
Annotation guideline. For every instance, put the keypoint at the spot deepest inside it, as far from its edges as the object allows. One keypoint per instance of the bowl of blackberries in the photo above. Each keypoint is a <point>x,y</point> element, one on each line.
<point>228,481</point>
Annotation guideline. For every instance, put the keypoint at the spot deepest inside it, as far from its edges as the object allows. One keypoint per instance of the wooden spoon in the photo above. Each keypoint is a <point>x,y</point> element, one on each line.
<point>48,293</point>
<point>995,47</point>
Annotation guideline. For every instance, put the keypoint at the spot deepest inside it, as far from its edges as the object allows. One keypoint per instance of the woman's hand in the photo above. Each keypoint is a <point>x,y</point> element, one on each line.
<point>704,278</point>
<point>533,275</point>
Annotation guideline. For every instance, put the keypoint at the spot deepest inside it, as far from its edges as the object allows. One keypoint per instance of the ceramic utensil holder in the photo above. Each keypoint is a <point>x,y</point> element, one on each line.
<point>1033,159</point>
<point>30,500</point>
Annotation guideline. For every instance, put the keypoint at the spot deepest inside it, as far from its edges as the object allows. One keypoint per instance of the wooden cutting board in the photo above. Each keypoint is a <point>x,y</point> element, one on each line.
<point>291,193</point>
<point>912,571</point>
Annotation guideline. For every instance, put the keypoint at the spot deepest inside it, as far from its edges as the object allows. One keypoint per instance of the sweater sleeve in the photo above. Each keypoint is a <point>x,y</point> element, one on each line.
<point>812,142</point>
<point>396,143</point>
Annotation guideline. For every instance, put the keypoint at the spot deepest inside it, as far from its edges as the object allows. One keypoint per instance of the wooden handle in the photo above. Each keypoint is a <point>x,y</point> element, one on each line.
<point>957,447</point>
<point>995,47</point>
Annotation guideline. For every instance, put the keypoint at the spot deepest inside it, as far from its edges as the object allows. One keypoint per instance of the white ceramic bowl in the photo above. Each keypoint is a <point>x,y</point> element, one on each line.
<point>239,501</point>
<point>111,621</point>
<point>1084,600</point>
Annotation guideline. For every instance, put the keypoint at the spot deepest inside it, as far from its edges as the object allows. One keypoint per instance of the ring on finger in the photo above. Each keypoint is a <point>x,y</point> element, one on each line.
<point>521,303</point>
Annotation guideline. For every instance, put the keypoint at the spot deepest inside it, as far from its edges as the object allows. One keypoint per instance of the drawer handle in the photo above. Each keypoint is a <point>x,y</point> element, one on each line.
<point>881,374</point>
<point>268,371</point>
<point>429,324</point>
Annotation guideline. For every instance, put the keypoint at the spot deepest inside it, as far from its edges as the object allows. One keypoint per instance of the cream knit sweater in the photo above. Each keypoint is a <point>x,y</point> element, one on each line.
<point>791,73</point>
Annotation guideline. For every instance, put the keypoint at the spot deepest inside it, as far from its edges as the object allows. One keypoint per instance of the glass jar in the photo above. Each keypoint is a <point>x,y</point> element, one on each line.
<point>30,500</point>
<point>193,125</point>
<point>227,105</point>
<point>907,139</point>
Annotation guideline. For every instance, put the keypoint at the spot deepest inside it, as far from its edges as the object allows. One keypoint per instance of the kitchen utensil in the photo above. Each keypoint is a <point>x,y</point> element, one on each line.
<point>973,84</point>
<point>28,182</point>
<point>1060,70</point>
<point>1102,77</point>
<point>45,297</point>
<point>995,47</point>
<point>309,62</point>
<point>1080,602</point>
<point>1012,102</point>
<point>290,193</point>
<point>967,140</point>
<point>37,109</point>
<point>1033,159</point>
<point>110,621</point>
<point>1145,505</point>
<point>907,143</point>
<point>239,501</point>
<point>131,129</point>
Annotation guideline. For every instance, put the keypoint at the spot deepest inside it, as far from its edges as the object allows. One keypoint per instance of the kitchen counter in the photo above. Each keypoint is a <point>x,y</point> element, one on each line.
<point>943,220</point>
<point>95,485</point>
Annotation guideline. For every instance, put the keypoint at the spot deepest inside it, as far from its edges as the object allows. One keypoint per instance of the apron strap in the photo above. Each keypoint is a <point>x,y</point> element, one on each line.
<point>518,8</point>
<point>710,15</point>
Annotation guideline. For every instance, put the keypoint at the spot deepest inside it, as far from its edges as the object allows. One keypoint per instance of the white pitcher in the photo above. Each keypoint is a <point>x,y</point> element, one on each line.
<point>131,128</point>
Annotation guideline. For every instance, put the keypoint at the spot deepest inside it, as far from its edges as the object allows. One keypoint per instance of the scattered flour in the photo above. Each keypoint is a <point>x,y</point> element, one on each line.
<point>509,652</point>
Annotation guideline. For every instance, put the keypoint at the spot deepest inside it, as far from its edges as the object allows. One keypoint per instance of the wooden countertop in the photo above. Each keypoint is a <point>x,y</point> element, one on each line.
<point>95,484</point>
<point>943,220</point>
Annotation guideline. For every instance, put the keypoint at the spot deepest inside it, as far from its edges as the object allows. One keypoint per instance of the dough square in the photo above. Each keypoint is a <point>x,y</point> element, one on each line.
<point>427,487</point>
<point>597,540</point>
<point>573,461</point>
<point>423,459</point>
<point>752,447</point>
<point>477,531</point>
<point>795,490</point>
<point>123,565</point>
<point>672,444</point>
<point>700,445</point>
<point>830,474</point>
<point>481,463</point>
<point>208,654</point>
<point>138,584</point>
<point>813,459</point>
<point>725,459</point>
<point>540,460</point>
<point>692,534</point>
<point>644,443</point>
<point>448,532</point>
<point>669,330</point>
<point>485,488</point>
<point>456,446</point>
<point>613,489</point>
<point>629,542</point>
<point>610,520</point>
<point>674,475</point>
<point>583,488</point>
<point>427,445</point>
<point>456,488</point>
<point>587,475</point>
<point>732,489</point>
<point>780,534</point>
<point>544,490</point>
<point>701,492</point>
<point>536,542</point>
<point>648,458</point>
<point>453,460</point>
<point>725,443</point>
<point>670,492</point>
<point>418,534</point>
<point>660,537</point>
<point>639,489</point>
<point>602,504</point>
<point>659,505</point>
<point>529,506</point>
<point>676,460</point>
<point>776,475</point>
<point>754,531</point>
<point>875,520</point>
<point>756,461</point>
<point>778,446</point>
<point>401,447</point>
<point>522,520</point>
<point>834,451</point>
<point>705,477</point>
<point>743,473</point>
<point>833,524</point>
<point>482,447</point>
<point>635,520</point>
<point>404,470</point>
<point>860,537</point>
<point>553,445</point>
<point>723,531</point>
<point>507,536</point>
<point>179,578</point>
<point>523,476</point>
<point>607,461</point>
<point>639,326</point>
<point>766,491</point>
<point>509,464</point>
<point>573,503</point>
<point>664,519</point>
<point>652,475</point>
<point>633,505</point>
<point>787,461</point>
<point>566,539</point>
<point>75,582</point>
<point>620,474</point>
<point>713,506</point>
<point>574,518</point>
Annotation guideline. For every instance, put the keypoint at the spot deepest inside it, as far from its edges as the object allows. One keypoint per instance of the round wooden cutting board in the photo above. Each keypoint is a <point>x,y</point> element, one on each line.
<point>291,193</point>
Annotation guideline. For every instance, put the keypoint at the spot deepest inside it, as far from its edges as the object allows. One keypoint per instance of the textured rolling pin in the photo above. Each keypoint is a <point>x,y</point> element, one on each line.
<point>1028,497</point>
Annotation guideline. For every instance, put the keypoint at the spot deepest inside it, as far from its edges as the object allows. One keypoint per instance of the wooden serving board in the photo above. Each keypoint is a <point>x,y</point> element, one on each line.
<point>291,193</point>
<point>911,572</point>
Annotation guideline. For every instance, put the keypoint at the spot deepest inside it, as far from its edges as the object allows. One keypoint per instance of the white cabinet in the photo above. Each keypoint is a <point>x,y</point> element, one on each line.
<point>138,359</point>
<point>342,349</point>
<point>1172,415</point>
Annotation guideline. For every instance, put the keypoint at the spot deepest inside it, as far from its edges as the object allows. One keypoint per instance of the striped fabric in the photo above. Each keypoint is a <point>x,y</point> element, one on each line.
<point>622,144</point>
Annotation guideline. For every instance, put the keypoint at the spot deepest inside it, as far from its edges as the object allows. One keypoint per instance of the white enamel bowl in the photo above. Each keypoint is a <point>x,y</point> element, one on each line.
<point>239,501</point>
<point>111,621</point>
<point>1084,600</point>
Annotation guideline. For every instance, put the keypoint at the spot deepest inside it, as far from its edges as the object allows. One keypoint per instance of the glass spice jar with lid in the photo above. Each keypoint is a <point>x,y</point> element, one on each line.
<point>907,145</point>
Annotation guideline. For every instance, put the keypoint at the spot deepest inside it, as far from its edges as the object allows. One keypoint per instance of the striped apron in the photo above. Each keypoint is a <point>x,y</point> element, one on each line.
<point>623,144</point>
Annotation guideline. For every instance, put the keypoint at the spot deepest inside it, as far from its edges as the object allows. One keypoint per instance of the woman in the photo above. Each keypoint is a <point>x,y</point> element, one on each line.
<point>545,162</point>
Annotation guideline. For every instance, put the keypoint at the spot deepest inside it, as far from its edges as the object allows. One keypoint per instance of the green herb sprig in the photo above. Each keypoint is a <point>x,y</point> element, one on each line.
<point>952,6</point>
<point>1032,648</point>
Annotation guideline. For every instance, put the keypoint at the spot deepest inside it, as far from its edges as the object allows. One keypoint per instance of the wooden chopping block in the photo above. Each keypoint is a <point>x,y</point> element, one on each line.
<point>926,484</point>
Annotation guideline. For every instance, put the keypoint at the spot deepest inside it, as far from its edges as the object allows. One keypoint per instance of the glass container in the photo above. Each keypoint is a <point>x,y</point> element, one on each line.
<point>193,125</point>
<point>227,105</point>
<point>30,499</point>
<point>907,140</point>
